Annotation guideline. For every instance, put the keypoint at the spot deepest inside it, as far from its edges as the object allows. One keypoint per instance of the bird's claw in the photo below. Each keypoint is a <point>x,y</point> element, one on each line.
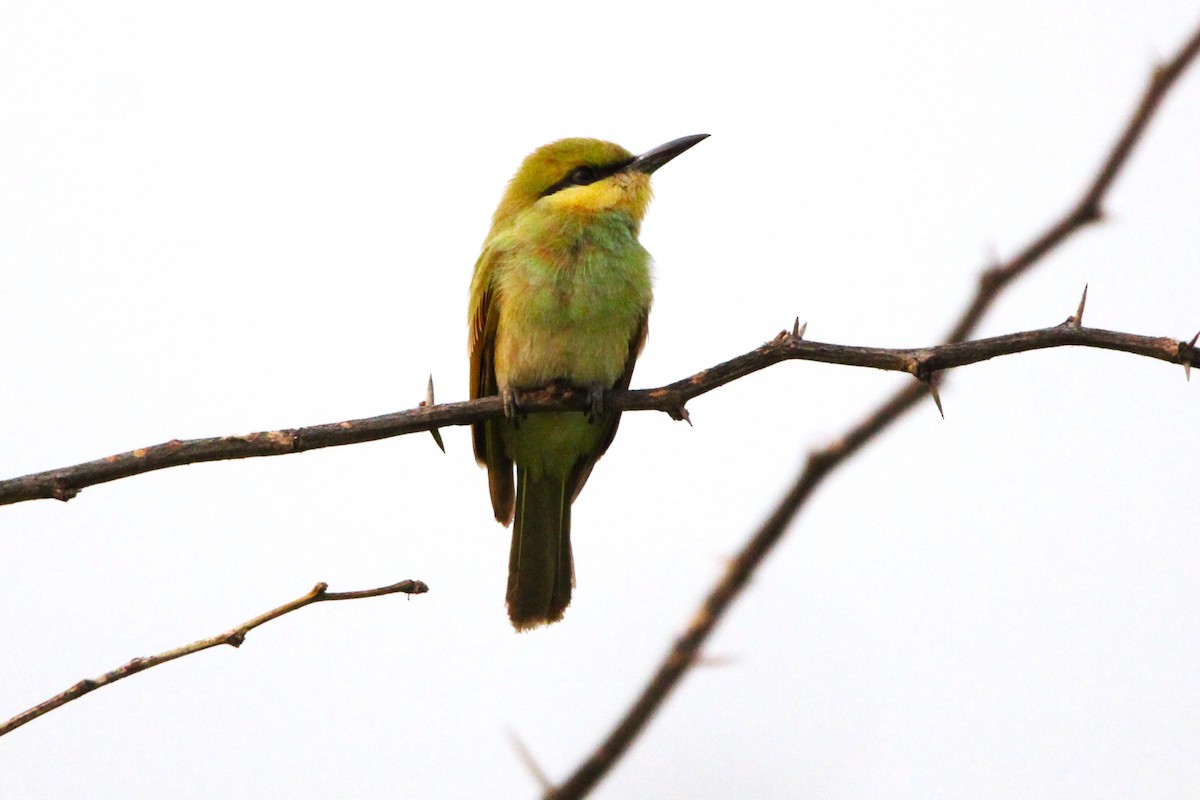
<point>511,408</point>
<point>595,402</point>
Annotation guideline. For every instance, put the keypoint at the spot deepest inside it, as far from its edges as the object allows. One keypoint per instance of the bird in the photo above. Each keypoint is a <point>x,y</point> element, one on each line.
<point>560,295</point>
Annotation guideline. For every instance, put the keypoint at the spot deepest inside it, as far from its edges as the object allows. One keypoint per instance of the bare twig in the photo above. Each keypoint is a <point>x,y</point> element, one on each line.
<point>65,483</point>
<point>684,652</point>
<point>527,758</point>
<point>233,637</point>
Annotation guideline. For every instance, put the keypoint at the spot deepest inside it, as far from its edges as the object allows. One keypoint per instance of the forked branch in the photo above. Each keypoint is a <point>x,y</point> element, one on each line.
<point>686,648</point>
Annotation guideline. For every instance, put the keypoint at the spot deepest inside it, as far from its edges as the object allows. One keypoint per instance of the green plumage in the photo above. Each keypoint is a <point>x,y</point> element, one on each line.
<point>560,293</point>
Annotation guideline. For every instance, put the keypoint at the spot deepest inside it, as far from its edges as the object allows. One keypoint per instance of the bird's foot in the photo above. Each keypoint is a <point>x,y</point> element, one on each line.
<point>596,393</point>
<point>511,408</point>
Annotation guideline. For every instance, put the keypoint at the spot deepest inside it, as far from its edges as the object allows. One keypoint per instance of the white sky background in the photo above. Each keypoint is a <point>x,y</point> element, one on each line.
<point>225,217</point>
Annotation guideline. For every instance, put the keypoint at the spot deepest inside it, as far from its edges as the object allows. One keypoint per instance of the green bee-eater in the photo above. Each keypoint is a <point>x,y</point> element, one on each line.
<point>560,293</point>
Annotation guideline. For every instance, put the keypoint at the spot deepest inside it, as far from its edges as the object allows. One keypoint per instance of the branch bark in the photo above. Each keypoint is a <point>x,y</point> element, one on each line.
<point>233,637</point>
<point>686,649</point>
<point>922,363</point>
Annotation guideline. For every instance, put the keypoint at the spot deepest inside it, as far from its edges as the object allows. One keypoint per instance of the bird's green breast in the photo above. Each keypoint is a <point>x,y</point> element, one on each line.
<point>572,295</point>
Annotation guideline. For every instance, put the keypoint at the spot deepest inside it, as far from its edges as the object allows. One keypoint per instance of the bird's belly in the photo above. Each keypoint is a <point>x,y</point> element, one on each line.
<point>551,444</point>
<point>580,355</point>
<point>563,329</point>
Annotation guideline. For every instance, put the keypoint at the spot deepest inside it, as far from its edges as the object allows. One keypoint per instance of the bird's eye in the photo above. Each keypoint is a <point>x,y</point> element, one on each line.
<point>583,175</point>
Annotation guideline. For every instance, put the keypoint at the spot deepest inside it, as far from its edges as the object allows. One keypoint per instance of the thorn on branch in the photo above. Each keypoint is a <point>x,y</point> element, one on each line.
<point>428,403</point>
<point>714,661</point>
<point>672,402</point>
<point>797,332</point>
<point>680,413</point>
<point>530,762</point>
<point>1189,356</point>
<point>931,380</point>
<point>1076,320</point>
<point>937,400</point>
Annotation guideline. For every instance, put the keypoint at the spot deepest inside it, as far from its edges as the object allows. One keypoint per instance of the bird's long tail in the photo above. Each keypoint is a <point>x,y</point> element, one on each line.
<point>540,571</point>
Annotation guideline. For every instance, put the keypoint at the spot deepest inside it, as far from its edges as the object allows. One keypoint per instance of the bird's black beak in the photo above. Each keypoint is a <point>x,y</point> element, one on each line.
<point>651,160</point>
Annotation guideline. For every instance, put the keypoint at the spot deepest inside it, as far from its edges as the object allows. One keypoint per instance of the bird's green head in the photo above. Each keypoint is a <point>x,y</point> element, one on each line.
<point>586,177</point>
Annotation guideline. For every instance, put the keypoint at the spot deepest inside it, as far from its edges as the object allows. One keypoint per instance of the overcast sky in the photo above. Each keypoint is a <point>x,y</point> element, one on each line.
<point>234,216</point>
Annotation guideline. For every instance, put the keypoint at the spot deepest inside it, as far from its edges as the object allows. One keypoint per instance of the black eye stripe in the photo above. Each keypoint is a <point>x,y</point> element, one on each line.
<point>587,173</point>
<point>581,176</point>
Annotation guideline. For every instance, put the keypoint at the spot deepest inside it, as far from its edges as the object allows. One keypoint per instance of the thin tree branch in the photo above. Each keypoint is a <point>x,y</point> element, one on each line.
<point>685,651</point>
<point>233,637</point>
<point>65,483</point>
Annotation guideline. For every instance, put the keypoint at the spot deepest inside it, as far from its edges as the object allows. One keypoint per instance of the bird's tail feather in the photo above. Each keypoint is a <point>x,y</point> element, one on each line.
<point>540,571</point>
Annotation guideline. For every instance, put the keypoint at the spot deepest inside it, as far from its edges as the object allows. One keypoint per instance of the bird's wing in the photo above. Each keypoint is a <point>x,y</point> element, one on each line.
<point>610,420</point>
<point>489,446</point>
